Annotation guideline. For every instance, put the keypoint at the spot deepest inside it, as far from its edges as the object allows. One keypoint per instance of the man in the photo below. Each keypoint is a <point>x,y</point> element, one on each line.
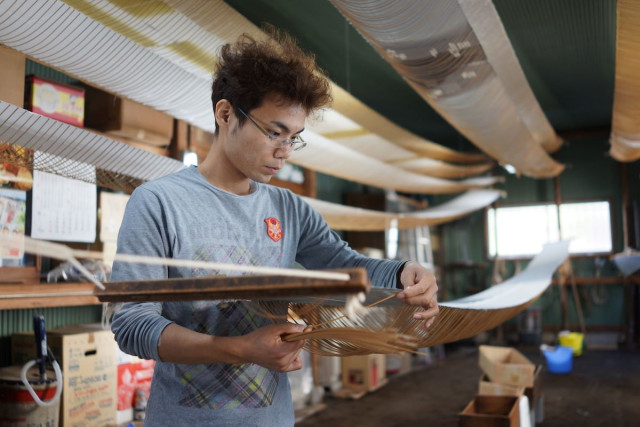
<point>218,363</point>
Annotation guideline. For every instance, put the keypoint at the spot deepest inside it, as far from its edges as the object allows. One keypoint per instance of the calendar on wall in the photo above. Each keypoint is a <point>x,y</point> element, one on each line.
<point>63,209</point>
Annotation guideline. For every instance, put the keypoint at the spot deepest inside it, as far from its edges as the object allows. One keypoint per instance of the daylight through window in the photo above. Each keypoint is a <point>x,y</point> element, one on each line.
<point>521,231</point>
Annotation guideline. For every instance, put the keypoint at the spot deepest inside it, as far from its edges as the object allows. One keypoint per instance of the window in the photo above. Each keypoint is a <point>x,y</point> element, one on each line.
<point>588,226</point>
<point>520,231</point>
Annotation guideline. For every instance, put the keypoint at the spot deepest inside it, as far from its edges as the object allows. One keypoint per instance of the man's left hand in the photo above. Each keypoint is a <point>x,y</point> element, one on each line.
<point>419,289</point>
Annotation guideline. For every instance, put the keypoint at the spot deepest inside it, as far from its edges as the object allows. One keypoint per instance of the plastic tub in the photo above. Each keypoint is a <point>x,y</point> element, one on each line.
<point>575,340</point>
<point>559,359</point>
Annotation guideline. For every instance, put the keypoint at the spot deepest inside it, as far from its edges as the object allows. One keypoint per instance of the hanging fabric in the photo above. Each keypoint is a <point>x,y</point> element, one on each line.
<point>457,56</point>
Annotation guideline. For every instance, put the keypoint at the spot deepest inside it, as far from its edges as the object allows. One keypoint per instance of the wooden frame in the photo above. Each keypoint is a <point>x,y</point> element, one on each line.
<point>236,287</point>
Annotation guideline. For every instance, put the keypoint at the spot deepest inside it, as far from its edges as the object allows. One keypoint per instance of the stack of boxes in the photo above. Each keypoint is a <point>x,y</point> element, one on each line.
<point>87,357</point>
<point>100,382</point>
<point>491,411</point>
<point>507,376</point>
<point>362,374</point>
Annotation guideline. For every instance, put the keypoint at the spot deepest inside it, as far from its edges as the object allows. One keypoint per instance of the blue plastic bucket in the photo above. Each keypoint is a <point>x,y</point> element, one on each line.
<point>559,360</point>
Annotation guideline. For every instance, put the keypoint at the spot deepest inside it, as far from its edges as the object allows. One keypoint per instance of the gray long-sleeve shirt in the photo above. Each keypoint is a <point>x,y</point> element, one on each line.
<point>183,216</point>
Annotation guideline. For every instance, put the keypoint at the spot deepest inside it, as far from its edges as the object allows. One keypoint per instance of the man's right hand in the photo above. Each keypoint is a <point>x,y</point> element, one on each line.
<point>265,347</point>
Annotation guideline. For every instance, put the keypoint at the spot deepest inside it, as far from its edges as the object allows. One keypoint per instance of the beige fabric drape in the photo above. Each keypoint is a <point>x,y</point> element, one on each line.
<point>335,126</point>
<point>164,51</point>
<point>625,129</point>
<point>341,217</point>
<point>466,70</point>
<point>76,153</point>
<point>227,24</point>
<point>376,123</point>
<point>326,156</point>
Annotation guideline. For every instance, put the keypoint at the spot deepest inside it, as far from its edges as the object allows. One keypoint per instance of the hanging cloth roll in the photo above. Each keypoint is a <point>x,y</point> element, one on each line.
<point>326,156</point>
<point>625,130</point>
<point>341,217</point>
<point>466,70</point>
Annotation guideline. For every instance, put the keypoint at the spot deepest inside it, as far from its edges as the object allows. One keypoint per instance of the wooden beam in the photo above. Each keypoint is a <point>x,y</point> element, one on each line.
<point>12,76</point>
<point>34,295</point>
<point>625,205</point>
<point>236,287</point>
<point>310,183</point>
<point>180,140</point>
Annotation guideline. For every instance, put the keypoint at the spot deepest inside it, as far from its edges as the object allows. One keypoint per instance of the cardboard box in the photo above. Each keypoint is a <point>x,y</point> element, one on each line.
<point>488,388</point>
<point>12,76</point>
<point>506,365</point>
<point>366,373</point>
<point>87,355</point>
<point>127,119</point>
<point>491,411</point>
<point>59,101</point>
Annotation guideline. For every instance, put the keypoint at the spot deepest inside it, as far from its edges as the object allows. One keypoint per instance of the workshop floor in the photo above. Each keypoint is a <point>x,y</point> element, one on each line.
<point>603,389</point>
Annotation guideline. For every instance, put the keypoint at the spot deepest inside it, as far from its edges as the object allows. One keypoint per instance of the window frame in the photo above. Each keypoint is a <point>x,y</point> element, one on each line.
<point>612,226</point>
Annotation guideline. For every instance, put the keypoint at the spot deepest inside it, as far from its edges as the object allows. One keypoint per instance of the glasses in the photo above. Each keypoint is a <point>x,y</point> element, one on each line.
<point>296,143</point>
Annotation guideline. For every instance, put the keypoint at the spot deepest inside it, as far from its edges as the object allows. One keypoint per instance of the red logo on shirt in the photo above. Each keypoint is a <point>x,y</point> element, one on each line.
<point>273,229</point>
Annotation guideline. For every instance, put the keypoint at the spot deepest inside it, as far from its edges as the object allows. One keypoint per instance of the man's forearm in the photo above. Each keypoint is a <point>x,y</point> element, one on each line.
<point>263,346</point>
<point>181,345</point>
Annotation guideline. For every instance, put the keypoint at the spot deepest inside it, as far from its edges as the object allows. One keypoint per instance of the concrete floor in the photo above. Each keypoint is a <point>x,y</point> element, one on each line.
<point>603,389</point>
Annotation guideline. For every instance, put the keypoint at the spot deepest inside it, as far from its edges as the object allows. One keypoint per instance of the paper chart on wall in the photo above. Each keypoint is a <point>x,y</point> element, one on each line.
<point>63,209</point>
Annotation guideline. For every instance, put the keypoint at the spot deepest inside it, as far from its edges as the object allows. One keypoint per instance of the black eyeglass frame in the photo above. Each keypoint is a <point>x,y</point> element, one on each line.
<point>296,144</point>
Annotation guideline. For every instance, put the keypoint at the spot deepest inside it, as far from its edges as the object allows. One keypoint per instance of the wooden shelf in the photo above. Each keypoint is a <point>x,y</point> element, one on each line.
<point>46,295</point>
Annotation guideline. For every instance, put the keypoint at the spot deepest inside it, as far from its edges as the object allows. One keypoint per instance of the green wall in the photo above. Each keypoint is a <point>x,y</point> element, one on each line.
<point>332,189</point>
<point>590,174</point>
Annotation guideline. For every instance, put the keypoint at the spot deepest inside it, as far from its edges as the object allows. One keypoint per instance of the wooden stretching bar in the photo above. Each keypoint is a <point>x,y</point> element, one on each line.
<point>236,287</point>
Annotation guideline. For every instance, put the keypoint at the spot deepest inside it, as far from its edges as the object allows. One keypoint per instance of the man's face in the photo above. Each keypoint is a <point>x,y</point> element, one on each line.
<point>251,153</point>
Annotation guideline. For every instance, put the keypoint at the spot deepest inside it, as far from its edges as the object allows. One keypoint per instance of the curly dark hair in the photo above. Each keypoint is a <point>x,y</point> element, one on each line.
<point>249,70</point>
